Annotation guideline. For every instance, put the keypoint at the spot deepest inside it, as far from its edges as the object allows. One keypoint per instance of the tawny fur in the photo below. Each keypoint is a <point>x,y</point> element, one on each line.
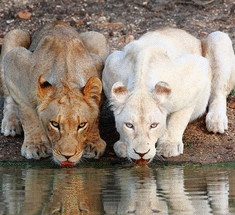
<point>53,88</point>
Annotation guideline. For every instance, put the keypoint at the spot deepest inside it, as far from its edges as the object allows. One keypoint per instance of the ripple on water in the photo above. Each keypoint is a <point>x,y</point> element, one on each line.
<point>161,190</point>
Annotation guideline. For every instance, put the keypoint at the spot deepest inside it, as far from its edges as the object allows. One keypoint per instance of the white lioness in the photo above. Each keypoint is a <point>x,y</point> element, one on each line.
<point>161,82</point>
<point>53,89</point>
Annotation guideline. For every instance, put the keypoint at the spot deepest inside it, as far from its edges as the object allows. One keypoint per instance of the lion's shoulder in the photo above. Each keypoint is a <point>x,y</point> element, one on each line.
<point>53,30</point>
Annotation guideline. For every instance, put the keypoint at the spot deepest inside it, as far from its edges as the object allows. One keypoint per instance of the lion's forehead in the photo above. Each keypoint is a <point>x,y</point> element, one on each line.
<point>142,111</point>
<point>74,113</point>
<point>72,103</point>
<point>74,116</point>
<point>77,112</point>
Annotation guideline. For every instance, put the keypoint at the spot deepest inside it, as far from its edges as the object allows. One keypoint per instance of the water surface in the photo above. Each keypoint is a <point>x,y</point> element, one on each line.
<point>114,190</point>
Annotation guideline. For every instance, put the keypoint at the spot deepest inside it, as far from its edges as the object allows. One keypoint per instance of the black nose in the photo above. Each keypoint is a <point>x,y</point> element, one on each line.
<point>141,154</point>
<point>68,156</point>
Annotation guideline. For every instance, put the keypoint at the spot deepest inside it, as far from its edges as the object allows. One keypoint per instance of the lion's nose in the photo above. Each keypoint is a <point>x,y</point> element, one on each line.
<point>68,156</point>
<point>141,154</point>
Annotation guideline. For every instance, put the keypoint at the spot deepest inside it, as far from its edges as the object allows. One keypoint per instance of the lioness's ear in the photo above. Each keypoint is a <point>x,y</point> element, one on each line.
<point>161,92</point>
<point>119,94</point>
<point>44,88</point>
<point>93,89</point>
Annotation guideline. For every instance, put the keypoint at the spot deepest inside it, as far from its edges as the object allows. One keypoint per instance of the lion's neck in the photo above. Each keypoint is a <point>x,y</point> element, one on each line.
<point>144,76</point>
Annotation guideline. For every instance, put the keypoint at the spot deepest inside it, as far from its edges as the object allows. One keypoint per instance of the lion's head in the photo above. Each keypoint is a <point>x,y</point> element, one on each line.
<point>140,119</point>
<point>68,116</point>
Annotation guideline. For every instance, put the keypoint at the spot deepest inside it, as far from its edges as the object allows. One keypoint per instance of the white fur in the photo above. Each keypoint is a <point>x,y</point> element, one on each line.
<point>172,60</point>
<point>139,193</point>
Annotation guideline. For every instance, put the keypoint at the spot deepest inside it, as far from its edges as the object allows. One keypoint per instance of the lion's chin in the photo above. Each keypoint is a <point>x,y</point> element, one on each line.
<point>141,162</point>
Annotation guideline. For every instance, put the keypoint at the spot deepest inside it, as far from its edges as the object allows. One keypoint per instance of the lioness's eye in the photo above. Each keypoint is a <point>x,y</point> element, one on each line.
<point>154,125</point>
<point>129,125</point>
<point>82,125</point>
<point>55,124</point>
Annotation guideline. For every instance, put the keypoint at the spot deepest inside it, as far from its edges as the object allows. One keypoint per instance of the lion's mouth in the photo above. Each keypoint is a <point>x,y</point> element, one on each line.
<point>141,162</point>
<point>67,163</point>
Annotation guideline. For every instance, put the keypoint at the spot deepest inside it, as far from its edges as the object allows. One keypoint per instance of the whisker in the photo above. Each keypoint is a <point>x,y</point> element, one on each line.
<point>82,160</point>
<point>159,157</point>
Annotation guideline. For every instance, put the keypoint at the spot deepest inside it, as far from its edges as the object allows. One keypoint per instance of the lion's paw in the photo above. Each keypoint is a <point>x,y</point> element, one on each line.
<point>216,121</point>
<point>11,125</point>
<point>35,150</point>
<point>94,150</point>
<point>120,149</point>
<point>168,149</point>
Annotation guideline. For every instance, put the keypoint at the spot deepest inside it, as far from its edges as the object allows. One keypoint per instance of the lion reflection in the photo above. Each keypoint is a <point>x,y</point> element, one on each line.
<point>66,191</point>
<point>171,190</point>
<point>138,193</point>
<point>74,191</point>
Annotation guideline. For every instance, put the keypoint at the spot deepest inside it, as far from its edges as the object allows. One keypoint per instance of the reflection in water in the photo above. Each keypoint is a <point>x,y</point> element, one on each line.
<point>76,192</point>
<point>48,191</point>
<point>138,193</point>
<point>166,190</point>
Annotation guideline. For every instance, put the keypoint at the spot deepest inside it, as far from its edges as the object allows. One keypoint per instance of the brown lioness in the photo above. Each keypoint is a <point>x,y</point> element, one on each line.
<point>53,90</point>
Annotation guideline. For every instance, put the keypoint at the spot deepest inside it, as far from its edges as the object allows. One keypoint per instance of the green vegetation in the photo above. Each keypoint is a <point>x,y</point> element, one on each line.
<point>104,164</point>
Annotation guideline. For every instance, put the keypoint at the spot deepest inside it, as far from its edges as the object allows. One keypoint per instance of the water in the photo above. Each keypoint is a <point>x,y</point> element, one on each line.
<point>156,190</point>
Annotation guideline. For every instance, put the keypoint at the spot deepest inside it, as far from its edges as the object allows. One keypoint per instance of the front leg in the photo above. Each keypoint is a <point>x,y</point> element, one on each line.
<point>94,149</point>
<point>171,144</point>
<point>36,144</point>
<point>218,49</point>
<point>94,146</point>
<point>216,118</point>
<point>11,125</point>
<point>120,149</point>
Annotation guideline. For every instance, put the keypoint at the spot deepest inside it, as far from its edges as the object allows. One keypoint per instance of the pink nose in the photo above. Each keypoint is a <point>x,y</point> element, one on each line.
<point>141,154</point>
